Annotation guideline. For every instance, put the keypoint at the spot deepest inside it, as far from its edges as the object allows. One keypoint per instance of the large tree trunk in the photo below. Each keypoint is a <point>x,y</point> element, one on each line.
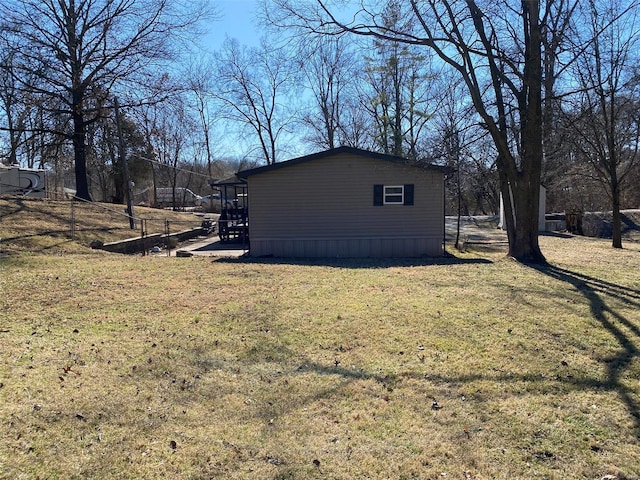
<point>80,157</point>
<point>617,220</point>
<point>79,138</point>
<point>521,218</point>
<point>520,177</point>
<point>526,194</point>
<point>525,246</point>
<point>614,182</point>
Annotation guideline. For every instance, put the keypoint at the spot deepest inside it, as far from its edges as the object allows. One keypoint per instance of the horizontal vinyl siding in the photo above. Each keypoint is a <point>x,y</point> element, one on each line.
<point>327,206</point>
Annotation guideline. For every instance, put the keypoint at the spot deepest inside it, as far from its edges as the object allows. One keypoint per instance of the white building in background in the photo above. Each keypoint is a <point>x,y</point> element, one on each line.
<point>542,226</point>
<point>22,181</point>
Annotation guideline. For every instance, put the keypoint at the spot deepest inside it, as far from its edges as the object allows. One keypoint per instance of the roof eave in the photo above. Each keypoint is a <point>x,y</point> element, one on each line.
<point>244,174</point>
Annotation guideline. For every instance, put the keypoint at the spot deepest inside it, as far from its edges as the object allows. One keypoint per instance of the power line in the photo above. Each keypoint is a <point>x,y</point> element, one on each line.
<point>170,166</point>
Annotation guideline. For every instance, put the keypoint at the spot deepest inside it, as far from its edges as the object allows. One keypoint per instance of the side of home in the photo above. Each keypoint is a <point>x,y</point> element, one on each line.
<point>345,203</point>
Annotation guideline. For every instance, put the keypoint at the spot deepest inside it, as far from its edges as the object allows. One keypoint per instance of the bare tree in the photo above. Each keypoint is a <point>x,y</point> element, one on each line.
<point>106,170</point>
<point>330,68</point>
<point>560,19</point>
<point>253,86</point>
<point>25,122</point>
<point>606,122</point>
<point>460,143</point>
<point>168,131</point>
<point>355,124</point>
<point>82,49</point>
<point>10,102</point>
<point>496,49</point>
<point>201,86</point>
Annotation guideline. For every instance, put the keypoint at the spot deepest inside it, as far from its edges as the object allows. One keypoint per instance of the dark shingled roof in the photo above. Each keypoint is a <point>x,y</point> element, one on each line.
<point>337,151</point>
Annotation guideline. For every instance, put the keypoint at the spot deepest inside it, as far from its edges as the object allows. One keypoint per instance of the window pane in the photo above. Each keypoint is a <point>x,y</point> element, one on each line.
<point>394,194</point>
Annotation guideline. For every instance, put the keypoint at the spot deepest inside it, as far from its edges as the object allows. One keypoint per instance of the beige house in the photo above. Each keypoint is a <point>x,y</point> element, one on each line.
<point>345,202</point>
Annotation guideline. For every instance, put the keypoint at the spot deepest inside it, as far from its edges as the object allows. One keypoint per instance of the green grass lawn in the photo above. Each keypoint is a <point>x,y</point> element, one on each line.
<point>474,367</point>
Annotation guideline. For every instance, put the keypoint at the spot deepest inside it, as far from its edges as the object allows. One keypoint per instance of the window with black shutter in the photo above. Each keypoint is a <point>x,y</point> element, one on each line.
<point>378,195</point>
<point>408,194</point>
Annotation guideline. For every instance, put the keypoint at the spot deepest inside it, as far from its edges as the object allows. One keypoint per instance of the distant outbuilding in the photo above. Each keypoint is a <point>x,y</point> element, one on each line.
<point>348,203</point>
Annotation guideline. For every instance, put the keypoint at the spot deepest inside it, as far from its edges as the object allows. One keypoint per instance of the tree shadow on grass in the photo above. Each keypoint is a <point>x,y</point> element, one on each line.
<point>607,302</point>
<point>38,210</point>
<point>63,233</point>
<point>600,294</point>
<point>14,211</point>
<point>34,207</point>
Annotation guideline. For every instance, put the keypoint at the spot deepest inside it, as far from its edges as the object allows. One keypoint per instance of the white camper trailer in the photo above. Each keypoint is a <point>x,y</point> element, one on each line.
<point>22,181</point>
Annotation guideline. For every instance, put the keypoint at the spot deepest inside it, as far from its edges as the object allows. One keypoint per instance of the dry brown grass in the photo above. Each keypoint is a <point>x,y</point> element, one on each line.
<point>154,367</point>
<point>46,226</point>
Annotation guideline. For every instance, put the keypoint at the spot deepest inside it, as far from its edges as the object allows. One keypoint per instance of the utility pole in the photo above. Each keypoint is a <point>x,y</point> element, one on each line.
<point>125,167</point>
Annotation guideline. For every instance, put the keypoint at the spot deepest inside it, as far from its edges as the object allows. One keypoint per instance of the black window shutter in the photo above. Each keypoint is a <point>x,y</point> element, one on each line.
<point>408,194</point>
<point>378,193</point>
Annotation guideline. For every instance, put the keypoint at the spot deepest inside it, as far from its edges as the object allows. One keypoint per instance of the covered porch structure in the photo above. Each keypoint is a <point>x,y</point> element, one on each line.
<point>233,224</point>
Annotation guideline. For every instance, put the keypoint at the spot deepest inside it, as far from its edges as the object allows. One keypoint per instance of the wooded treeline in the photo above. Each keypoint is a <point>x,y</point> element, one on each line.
<point>468,84</point>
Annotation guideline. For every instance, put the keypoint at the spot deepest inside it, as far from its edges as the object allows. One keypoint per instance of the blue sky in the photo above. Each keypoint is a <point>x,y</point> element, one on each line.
<point>237,19</point>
